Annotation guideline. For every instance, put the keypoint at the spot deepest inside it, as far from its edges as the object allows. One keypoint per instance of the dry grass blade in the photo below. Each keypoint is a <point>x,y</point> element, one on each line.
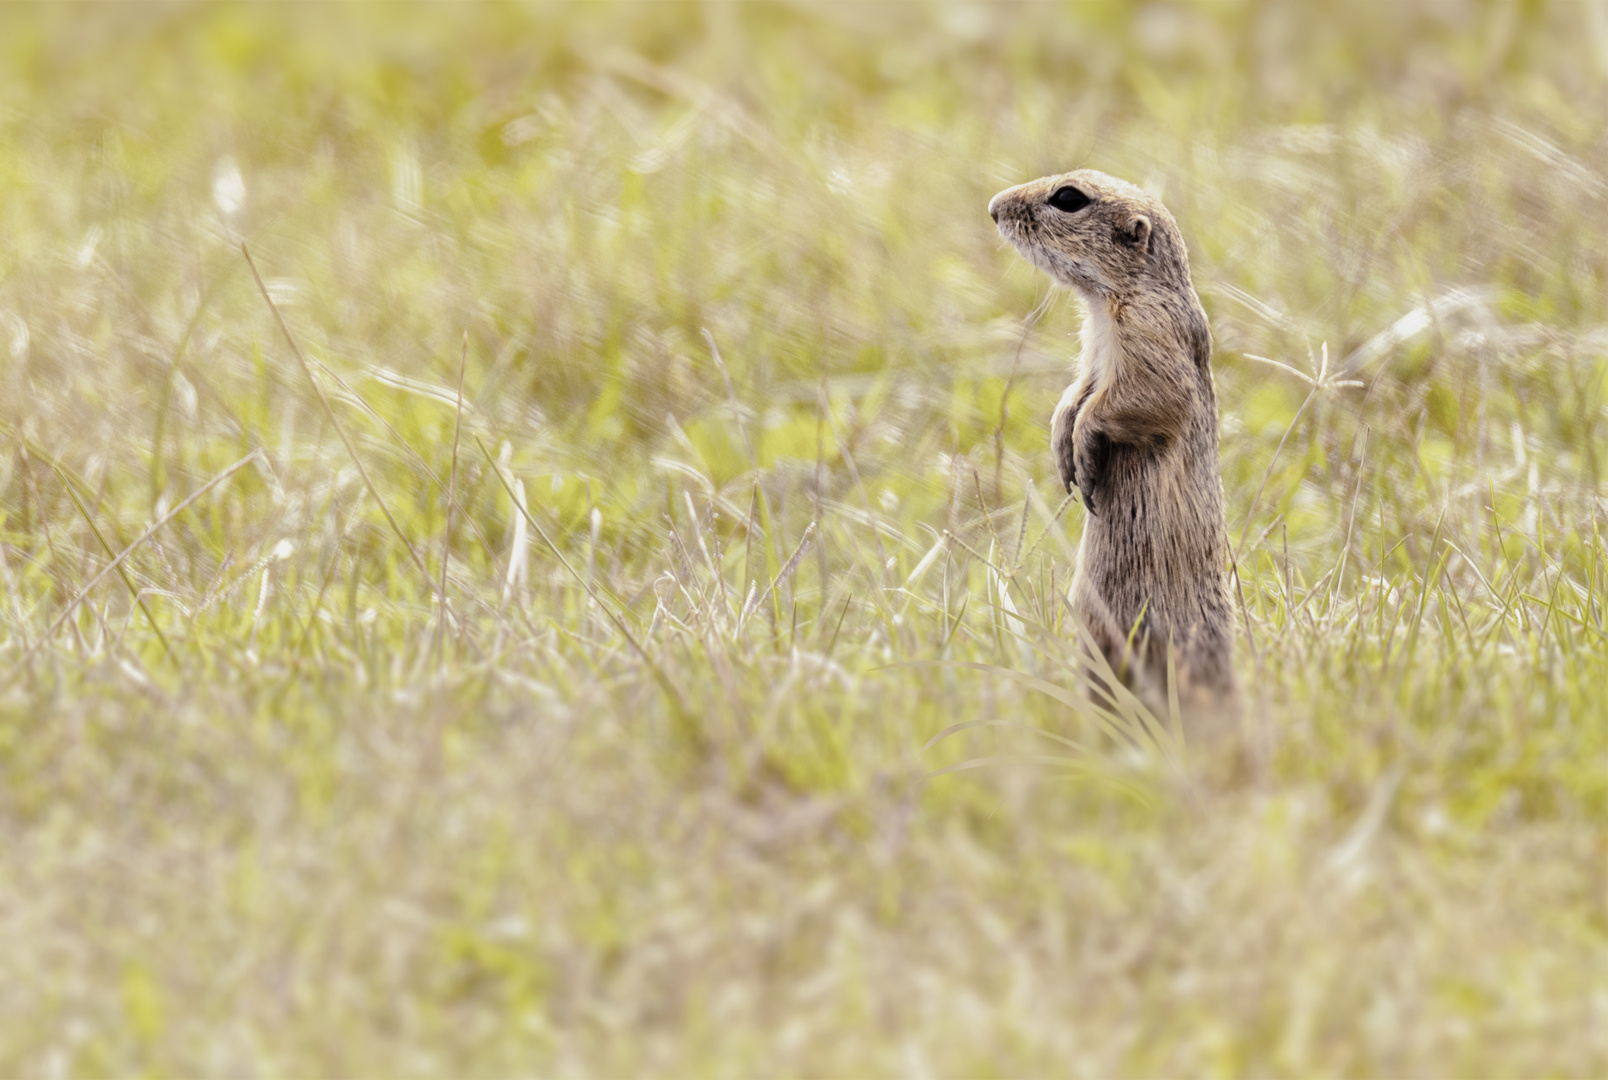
<point>1431,578</point>
<point>1127,717</point>
<point>117,562</point>
<point>329,411</point>
<point>784,574</point>
<point>1250,512</point>
<point>972,725</point>
<point>350,395</point>
<point>1120,723</point>
<point>133,590</point>
<point>1175,718</point>
<point>731,395</point>
<point>452,491</point>
<point>669,687</point>
<point>1086,769</point>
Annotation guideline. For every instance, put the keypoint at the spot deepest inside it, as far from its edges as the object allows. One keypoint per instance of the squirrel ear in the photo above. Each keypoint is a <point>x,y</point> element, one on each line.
<point>1137,233</point>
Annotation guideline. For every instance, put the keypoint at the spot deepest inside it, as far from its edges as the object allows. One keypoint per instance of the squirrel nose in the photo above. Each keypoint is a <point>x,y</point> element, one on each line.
<point>993,207</point>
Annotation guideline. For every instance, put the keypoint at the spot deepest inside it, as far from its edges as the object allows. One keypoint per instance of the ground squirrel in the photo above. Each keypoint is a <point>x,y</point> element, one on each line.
<point>1136,432</point>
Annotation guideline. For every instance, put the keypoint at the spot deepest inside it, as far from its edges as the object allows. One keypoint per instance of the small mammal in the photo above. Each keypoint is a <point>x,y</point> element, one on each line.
<point>1136,433</point>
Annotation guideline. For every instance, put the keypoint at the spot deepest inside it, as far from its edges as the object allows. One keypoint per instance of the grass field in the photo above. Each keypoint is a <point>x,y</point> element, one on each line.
<point>583,728</point>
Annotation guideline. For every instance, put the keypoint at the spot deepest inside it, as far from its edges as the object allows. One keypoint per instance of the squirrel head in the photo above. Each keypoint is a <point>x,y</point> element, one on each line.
<point>1094,233</point>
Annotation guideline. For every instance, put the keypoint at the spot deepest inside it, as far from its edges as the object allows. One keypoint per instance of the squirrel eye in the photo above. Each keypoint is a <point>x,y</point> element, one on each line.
<point>1069,200</point>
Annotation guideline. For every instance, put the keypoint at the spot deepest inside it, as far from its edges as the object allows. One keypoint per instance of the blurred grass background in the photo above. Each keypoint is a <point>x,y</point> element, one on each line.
<point>268,807</point>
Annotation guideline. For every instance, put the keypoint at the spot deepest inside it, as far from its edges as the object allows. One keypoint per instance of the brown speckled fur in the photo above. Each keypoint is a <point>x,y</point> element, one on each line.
<point>1136,432</point>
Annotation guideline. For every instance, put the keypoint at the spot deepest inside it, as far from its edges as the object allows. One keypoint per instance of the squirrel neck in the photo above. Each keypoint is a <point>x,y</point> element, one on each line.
<point>1101,355</point>
<point>1116,325</point>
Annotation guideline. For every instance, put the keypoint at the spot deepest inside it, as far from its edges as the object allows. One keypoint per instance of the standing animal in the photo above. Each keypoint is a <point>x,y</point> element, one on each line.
<point>1136,433</point>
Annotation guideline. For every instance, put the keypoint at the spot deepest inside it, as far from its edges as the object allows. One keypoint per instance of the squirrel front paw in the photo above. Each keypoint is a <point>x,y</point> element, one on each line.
<point>1065,462</point>
<point>1080,448</point>
<point>1088,453</point>
<point>1063,423</point>
<point>1079,455</point>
